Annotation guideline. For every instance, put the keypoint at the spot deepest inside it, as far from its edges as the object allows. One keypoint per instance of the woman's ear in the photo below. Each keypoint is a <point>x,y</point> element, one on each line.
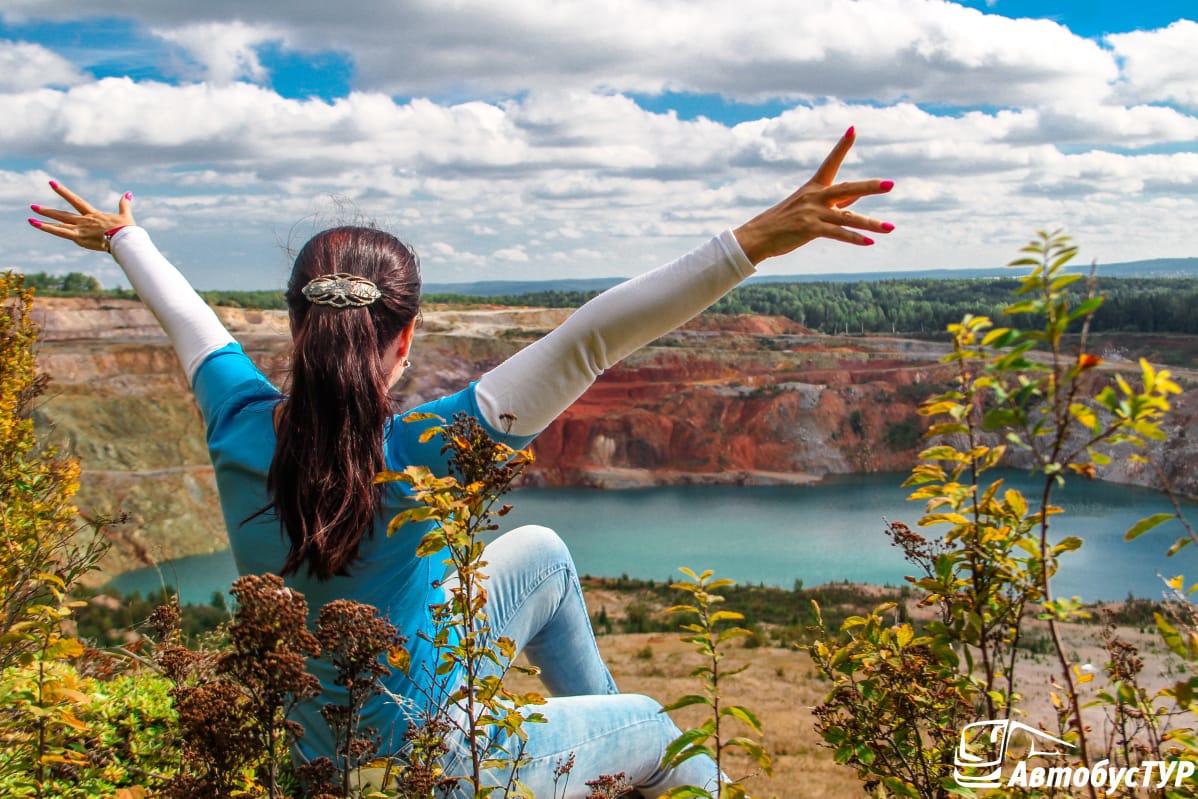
<point>404,340</point>
<point>396,357</point>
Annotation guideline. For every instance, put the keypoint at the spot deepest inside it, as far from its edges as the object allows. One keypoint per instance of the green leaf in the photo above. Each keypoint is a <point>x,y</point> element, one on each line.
<point>1000,337</point>
<point>432,543</point>
<point>733,790</point>
<point>1146,524</point>
<point>899,788</point>
<point>733,632</point>
<point>942,452</point>
<point>686,792</point>
<point>689,737</point>
<point>687,701</point>
<point>1067,545</point>
<point>1184,691</point>
<point>1087,307</point>
<point>754,750</point>
<point>694,751</point>
<point>418,514</point>
<point>745,715</point>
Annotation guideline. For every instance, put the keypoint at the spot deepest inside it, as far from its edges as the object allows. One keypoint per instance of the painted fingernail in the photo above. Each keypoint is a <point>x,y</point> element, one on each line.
<point>35,207</point>
<point>887,227</point>
<point>54,184</point>
<point>866,240</point>
<point>35,222</point>
<point>129,195</point>
<point>886,185</point>
<point>848,134</point>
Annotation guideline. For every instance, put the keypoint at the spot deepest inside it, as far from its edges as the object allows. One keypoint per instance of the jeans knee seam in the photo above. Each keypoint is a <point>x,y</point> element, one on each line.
<point>539,580</point>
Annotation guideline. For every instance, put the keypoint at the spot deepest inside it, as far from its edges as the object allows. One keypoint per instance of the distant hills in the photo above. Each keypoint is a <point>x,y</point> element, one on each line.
<point>1154,268</point>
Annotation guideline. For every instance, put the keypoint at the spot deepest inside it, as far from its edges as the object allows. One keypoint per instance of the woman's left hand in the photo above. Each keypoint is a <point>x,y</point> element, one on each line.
<point>87,227</point>
<point>816,210</point>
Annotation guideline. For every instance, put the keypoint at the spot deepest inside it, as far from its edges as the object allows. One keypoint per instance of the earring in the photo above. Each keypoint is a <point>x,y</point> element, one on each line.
<point>406,364</point>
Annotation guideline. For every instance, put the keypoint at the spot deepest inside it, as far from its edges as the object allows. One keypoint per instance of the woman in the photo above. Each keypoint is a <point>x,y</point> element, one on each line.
<point>300,462</point>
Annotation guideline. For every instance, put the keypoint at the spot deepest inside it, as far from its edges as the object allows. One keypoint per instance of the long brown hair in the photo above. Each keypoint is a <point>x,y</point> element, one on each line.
<point>330,429</point>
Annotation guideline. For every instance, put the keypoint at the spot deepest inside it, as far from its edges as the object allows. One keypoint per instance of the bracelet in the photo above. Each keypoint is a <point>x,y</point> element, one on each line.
<point>108,234</point>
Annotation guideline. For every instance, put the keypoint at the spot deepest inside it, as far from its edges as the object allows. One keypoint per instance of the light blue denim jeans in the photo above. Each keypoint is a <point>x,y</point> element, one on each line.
<point>534,598</point>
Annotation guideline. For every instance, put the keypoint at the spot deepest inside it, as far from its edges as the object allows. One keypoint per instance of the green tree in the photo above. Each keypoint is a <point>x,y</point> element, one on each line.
<point>79,282</point>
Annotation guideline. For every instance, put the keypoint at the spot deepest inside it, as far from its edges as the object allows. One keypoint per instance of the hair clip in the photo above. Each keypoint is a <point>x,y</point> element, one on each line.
<point>341,290</point>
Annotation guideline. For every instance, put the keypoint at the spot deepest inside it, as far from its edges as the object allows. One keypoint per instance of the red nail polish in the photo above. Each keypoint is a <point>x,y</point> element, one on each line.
<point>128,195</point>
<point>35,207</point>
<point>866,240</point>
<point>54,184</point>
<point>886,185</point>
<point>848,134</point>
<point>35,222</point>
<point>887,227</point>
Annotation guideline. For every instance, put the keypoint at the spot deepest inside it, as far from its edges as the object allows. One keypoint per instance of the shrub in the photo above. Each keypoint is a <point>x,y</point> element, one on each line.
<point>44,554</point>
<point>901,696</point>
<point>902,435</point>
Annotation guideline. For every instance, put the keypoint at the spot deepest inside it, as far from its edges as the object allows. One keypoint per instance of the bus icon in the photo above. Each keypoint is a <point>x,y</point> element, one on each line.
<point>982,749</point>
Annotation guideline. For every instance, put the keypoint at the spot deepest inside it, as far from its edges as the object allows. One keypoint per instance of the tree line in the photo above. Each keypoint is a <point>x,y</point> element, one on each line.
<point>920,305</point>
<point>72,283</point>
<point>912,305</point>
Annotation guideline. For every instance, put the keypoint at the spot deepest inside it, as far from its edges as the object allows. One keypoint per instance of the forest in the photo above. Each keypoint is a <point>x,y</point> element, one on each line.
<point>910,306</point>
<point>926,305</point>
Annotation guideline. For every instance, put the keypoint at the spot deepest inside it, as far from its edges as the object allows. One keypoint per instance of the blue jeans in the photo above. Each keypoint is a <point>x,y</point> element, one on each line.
<point>534,598</point>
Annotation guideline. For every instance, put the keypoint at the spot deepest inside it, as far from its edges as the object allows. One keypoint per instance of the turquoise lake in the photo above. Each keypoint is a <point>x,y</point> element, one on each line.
<point>821,533</point>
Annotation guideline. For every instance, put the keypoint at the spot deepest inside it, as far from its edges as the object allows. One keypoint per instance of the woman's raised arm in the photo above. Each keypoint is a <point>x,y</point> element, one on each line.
<point>191,325</point>
<point>542,380</point>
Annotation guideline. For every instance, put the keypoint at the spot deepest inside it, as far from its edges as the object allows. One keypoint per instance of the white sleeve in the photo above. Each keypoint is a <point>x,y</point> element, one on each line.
<point>191,325</point>
<point>536,384</point>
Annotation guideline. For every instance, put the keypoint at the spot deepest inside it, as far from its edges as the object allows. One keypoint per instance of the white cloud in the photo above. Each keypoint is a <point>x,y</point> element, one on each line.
<point>1160,65</point>
<point>225,50</point>
<point>514,254</point>
<point>26,66</point>
<point>921,50</point>
<point>594,169</point>
<point>522,140</point>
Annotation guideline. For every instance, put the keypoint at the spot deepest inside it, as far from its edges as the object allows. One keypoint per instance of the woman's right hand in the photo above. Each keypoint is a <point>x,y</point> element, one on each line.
<point>816,210</point>
<point>88,227</point>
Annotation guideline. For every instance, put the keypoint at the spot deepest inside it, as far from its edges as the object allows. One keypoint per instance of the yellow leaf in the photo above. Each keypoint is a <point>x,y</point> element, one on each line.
<point>399,658</point>
<point>75,696</point>
<point>72,721</point>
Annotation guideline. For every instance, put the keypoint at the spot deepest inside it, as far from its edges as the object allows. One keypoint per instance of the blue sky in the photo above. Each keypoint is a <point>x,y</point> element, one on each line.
<point>529,140</point>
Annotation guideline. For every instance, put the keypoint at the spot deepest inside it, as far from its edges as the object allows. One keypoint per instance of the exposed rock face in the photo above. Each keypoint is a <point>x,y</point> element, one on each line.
<point>742,400</point>
<point>722,407</point>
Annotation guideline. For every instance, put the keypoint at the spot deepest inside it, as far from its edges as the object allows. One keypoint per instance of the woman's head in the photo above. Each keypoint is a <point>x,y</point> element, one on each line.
<point>366,253</point>
<point>330,429</point>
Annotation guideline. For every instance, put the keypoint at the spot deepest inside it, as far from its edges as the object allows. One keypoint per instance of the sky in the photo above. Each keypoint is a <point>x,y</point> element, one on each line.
<point>530,140</point>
